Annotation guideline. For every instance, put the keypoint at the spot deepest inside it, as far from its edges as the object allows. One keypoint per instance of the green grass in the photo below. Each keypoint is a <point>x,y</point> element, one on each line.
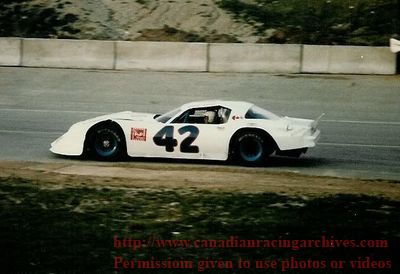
<point>71,229</point>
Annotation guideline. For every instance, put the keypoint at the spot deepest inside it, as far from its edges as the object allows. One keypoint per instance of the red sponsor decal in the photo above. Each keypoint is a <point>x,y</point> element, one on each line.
<point>235,117</point>
<point>138,134</point>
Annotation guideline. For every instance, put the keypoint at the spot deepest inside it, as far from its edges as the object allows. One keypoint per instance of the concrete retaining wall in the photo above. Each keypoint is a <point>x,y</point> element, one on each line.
<point>348,59</point>
<point>254,58</point>
<point>161,56</point>
<point>10,51</point>
<point>68,53</point>
<point>200,57</point>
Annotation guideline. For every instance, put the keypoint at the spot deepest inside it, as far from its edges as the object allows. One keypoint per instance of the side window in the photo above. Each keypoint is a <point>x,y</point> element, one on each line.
<point>224,114</point>
<point>256,112</point>
<point>209,115</point>
<point>182,118</point>
<point>253,114</point>
<point>191,116</point>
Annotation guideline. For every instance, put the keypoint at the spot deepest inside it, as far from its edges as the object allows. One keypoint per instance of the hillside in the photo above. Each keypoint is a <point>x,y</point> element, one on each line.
<point>193,20</point>
<point>367,22</point>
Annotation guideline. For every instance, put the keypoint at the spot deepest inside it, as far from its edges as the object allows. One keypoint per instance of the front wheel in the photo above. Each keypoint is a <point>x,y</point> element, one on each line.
<point>107,144</point>
<point>250,149</point>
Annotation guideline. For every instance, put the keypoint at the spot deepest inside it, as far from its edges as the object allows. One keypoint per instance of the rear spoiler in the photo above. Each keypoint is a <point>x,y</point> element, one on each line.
<point>314,124</point>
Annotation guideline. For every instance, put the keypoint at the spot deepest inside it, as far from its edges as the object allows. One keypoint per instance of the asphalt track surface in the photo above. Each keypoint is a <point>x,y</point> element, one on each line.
<point>360,131</point>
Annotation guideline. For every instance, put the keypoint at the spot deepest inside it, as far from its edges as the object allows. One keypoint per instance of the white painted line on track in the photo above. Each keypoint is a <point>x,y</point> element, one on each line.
<point>102,113</point>
<point>358,145</point>
<point>322,144</point>
<point>30,132</point>
<point>362,122</point>
<point>50,111</point>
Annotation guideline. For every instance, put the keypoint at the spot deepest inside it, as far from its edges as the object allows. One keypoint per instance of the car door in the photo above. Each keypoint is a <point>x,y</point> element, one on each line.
<point>197,133</point>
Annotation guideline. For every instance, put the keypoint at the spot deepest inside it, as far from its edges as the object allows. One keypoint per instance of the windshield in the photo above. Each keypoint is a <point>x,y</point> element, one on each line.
<point>166,116</point>
<point>256,112</point>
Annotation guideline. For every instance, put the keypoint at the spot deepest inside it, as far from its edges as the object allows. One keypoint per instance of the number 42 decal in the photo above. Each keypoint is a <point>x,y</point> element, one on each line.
<point>165,138</point>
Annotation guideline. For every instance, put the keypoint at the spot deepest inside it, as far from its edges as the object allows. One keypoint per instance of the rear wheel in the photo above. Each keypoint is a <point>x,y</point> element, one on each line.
<point>250,148</point>
<point>107,143</point>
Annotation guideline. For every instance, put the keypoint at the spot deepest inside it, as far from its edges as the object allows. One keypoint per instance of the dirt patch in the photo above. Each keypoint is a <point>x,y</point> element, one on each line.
<point>175,35</point>
<point>190,176</point>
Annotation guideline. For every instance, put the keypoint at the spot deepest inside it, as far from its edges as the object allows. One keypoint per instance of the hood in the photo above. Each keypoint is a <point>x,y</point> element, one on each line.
<point>124,115</point>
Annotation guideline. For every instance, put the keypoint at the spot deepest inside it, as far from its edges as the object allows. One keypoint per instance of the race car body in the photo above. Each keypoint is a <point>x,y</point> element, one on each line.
<point>212,130</point>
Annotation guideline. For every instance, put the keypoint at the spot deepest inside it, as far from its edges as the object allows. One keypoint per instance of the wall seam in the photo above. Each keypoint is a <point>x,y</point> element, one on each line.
<point>301,58</point>
<point>114,55</point>
<point>21,52</point>
<point>208,57</point>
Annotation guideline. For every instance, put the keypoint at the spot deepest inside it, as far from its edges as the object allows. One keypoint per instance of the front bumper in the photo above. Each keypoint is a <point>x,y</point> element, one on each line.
<point>71,143</point>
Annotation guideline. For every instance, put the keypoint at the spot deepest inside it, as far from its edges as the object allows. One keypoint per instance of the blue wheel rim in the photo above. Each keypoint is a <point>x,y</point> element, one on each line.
<point>250,149</point>
<point>105,144</point>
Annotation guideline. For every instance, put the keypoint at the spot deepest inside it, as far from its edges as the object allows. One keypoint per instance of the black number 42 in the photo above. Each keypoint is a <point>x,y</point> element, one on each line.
<point>165,138</point>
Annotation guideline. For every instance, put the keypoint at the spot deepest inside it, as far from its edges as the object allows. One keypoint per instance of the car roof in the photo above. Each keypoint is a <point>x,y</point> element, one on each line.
<point>239,107</point>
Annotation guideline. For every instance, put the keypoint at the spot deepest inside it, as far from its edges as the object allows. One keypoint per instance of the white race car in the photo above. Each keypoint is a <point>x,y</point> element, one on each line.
<point>212,130</point>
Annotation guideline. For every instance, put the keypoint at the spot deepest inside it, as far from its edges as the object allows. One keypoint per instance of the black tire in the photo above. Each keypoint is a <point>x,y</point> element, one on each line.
<point>107,144</point>
<point>250,149</point>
